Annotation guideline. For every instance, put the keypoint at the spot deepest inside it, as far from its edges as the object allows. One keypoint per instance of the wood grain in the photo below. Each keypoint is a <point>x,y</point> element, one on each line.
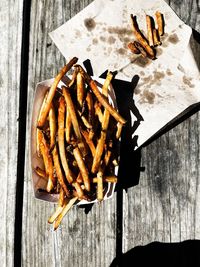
<point>10,52</point>
<point>164,206</point>
<point>83,239</point>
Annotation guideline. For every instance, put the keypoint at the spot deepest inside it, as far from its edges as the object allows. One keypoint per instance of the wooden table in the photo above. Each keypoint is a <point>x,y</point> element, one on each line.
<point>164,206</point>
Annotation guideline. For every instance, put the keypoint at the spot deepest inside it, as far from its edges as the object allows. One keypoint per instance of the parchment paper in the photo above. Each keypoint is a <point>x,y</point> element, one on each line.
<point>167,86</point>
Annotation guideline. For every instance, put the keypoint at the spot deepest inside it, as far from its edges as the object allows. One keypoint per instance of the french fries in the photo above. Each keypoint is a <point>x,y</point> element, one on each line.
<point>76,140</point>
<point>146,46</point>
<point>47,104</point>
<point>160,22</point>
<point>141,39</point>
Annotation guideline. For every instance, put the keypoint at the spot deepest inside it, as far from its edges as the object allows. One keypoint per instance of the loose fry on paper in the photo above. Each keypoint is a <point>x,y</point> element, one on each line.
<point>139,36</point>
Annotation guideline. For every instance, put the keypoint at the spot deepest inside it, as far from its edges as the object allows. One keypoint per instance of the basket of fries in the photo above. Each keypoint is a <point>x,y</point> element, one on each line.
<point>75,139</point>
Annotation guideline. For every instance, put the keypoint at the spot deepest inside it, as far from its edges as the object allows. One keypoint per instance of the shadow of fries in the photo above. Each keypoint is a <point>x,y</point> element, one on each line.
<point>129,168</point>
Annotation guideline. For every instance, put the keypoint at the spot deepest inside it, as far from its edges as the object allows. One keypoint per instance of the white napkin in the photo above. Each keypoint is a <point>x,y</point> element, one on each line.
<point>167,85</point>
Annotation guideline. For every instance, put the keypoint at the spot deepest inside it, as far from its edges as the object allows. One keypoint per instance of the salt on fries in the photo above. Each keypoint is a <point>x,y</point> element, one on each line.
<point>146,46</point>
<point>77,133</point>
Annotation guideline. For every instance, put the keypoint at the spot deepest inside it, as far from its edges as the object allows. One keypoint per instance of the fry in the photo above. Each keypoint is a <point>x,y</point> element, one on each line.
<point>91,112</point>
<point>61,200</point>
<point>100,97</point>
<point>61,115</point>
<point>100,185</point>
<point>55,215</point>
<point>37,130</point>
<point>89,142</point>
<point>72,112</point>
<point>59,171</point>
<point>141,38</point>
<point>149,30</point>
<point>108,153</point>
<point>106,84</point>
<point>68,126</point>
<point>52,126</point>
<point>98,111</point>
<point>41,173</point>
<point>141,49</point>
<point>133,48</point>
<point>52,91</point>
<point>79,190</point>
<point>119,130</point>
<point>79,178</point>
<point>160,22</point>
<point>80,89</point>
<point>84,120</point>
<point>44,148</point>
<point>82,168</point>
<point>105,122</point>
<point>63,212</point>
<point>107,179</point>
<point>156,37</point>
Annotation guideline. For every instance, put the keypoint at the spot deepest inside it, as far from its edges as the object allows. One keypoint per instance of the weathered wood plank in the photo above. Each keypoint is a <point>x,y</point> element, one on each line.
<point>10,53</point>
<point>189,11</point>
<point>82,240</point>
<point>164,206</point>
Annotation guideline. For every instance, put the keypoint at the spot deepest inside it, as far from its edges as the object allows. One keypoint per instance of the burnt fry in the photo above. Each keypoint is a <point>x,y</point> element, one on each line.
<point>61,143</point>
<point>156,37</point>
<point>141,49</point>
<point>52,91</point>
<point>133,48</point>
<point>52,127</point>
<point>82,167</point>
<point>80,89</point>
<point>44,149</point>
<point>59,172</point>
<point>90,106</point>
<point>149,30</point>
<point>160,22</point>
<point>141,39</point>
<point>63,212</point>
<point>100,97</point>
<point>68,126</point>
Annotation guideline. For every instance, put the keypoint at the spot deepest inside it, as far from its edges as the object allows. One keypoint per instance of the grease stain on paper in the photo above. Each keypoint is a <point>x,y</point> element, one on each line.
<point>187,81</point>
<point>173,38</point>
<point>90,24</point>
<point>147,97</point>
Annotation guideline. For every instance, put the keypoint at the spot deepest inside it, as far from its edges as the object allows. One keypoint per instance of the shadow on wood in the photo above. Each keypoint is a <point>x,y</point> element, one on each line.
<point>183,254</point>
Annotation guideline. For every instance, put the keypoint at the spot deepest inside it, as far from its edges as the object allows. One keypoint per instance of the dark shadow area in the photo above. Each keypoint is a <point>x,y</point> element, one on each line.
<point>129,159</point>
<point>88,66</point>
<point>156,254</point>
<point>129,167</point>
